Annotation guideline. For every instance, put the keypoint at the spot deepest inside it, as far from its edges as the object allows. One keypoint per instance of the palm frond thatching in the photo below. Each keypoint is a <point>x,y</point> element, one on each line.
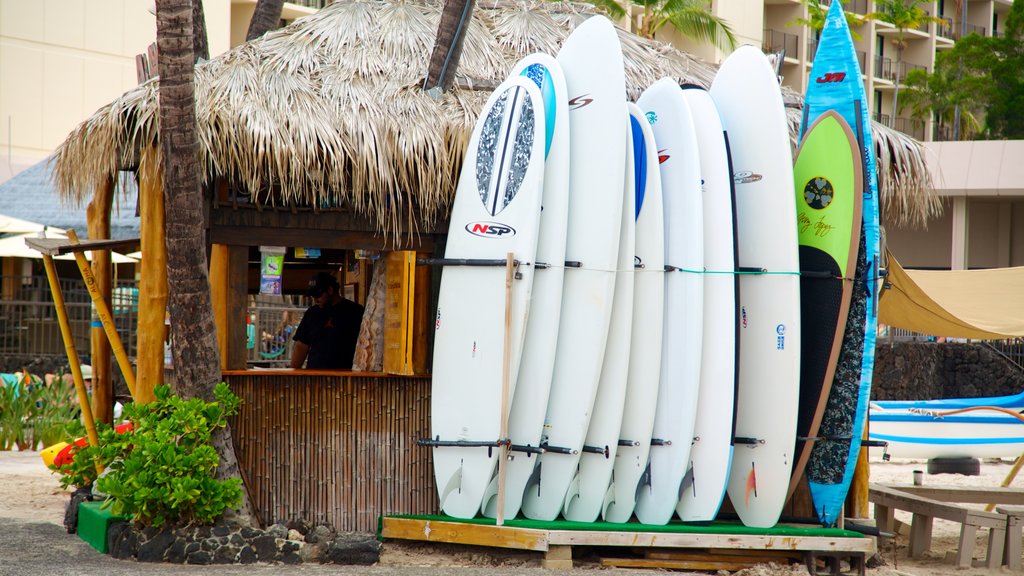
<point>329,112</point>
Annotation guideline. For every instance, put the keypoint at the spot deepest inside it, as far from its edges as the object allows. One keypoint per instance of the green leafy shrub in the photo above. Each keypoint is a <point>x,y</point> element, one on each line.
<point>163,469</point>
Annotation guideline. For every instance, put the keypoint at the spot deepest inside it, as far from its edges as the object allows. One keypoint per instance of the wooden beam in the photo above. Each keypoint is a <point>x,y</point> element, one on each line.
<point>152,280</point>
<point>98,218</point>
<point>340,238</point>
<point>737,541</point>
<point>461,533</point>
<point>965,494</point>
<point>228,291</point>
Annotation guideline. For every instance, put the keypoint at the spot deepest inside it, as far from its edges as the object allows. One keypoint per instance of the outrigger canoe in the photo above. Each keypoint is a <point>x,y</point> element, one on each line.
<point>951,428</point>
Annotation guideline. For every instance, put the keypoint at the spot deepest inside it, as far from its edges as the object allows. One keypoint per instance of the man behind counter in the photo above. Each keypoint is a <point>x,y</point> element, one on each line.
<point>327,334</point>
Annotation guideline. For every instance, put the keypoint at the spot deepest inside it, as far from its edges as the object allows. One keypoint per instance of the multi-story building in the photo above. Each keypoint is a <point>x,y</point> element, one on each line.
<point>981,183</point>
<point>60,60</point>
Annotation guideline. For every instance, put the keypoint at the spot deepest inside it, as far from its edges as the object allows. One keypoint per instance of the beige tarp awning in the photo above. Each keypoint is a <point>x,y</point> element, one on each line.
<point>979,304</point>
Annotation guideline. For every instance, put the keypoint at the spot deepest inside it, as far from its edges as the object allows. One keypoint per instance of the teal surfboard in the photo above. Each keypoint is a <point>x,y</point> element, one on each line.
<point>835,84</point>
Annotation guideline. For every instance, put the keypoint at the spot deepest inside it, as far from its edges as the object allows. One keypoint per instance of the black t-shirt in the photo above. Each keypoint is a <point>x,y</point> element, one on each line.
<point>331,334</point>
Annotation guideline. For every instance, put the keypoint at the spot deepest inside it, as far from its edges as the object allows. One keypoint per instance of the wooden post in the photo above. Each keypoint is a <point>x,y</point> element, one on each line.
<point>228,289</point>
<point>857,500</point>
<point>69,348</point>
<point>153,279</point>
<point>98,217</point>
<point>1009,478</point>
<point>506,370</point>
<point>106,320</point>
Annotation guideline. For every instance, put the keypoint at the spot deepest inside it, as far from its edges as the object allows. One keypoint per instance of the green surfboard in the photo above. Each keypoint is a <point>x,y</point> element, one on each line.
<point>828,181</point>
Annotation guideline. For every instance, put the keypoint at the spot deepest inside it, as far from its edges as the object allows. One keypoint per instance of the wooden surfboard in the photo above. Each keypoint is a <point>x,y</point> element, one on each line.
<point>591,60</point>
<point>673,127</point>
<point>648,306</point>
<point>829,185</point>
<point>526,418</point>
<point>496,210</point>
<point>749,100</point>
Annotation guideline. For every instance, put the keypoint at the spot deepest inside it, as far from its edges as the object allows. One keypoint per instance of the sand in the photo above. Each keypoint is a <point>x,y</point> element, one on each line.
<point>29,492</point>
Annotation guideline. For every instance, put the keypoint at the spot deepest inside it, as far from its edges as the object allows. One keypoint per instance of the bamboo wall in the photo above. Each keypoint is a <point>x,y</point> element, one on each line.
<point>333,448</point>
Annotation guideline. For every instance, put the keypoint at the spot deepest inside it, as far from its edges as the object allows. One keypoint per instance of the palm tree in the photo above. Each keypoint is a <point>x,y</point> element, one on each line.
<point>816,14</point>
<point>196,355</point>
<point>692,18</point>
<point>903,15</point>
<point>444,58</point>
<point>266,17</point>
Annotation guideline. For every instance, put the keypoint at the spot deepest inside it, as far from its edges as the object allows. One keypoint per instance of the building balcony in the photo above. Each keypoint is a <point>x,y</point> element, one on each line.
<point>854,6</point>
<point>779,41</point>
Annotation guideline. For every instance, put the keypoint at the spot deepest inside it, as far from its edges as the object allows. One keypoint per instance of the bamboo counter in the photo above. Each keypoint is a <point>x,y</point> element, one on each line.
<point>333,447</point>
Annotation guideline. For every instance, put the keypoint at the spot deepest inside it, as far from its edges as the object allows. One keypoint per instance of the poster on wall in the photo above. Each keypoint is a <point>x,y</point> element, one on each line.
<point>271,265</point>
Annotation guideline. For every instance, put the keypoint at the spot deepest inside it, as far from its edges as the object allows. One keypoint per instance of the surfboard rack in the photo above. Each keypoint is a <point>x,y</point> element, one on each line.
<point>526,449</point>
<point>559,449</point>
<point>747,441</point>
<point>598,450</point>
<point>660,442</point>
<point>464,262</point>
<point>489,444</point>
<point>628,442</point>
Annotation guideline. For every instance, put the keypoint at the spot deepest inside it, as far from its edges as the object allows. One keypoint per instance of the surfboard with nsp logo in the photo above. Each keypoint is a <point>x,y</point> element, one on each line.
<point>496,211</point>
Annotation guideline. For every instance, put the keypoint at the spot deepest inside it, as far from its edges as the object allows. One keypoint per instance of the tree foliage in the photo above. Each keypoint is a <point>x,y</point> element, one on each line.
<point>903,15</point>
<point>817,13</point>
<point>984,76</point>
<point>162,469</point>
<point>692,18</point>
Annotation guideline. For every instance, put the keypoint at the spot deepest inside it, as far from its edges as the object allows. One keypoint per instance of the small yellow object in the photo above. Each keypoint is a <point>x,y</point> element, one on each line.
<point>48,454</point>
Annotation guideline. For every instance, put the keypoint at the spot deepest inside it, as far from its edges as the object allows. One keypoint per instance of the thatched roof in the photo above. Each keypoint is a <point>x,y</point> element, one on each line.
<point>328,111</point>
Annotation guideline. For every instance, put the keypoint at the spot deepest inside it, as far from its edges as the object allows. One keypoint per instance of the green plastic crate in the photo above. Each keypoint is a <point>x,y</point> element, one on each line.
<point>93,523</point>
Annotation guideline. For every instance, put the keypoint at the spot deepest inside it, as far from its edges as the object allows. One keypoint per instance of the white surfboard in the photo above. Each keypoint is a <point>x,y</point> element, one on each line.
<point>496,211</point>
<point>591,59</point>
<point>648,307</point>
<point>589,488</point>
<point>526,418</point>
<point>749,102</point>
<point>672,124</point>
<point>711,454</point>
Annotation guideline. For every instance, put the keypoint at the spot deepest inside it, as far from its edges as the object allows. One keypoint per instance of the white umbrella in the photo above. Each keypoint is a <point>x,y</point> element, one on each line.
<point>15,246</point>
<point>12,225</point>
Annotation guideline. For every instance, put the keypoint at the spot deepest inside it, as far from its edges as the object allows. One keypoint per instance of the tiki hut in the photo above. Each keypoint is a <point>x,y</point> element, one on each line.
<point>319,134</point>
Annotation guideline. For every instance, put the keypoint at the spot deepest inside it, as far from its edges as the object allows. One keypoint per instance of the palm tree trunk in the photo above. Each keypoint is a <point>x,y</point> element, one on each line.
<point>451,31</point>
<point>267,17</point>
<point>193,333</point>
<point>200,41</point>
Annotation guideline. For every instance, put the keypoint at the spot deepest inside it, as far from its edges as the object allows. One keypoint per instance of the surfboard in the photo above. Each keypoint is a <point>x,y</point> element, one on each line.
<point>526,417</point>
<point>749,100</point>
<point>828,181</point>
<point>673,126</point>
<point>589,488</point>
<point>711,453</point>
<point>835,84</point>
<point>496,210</point>
<point>648,306</point>
<point>591,59</point>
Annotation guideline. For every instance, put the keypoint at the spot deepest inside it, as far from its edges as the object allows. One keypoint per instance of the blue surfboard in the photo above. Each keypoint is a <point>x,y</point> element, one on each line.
<point>835,84</point>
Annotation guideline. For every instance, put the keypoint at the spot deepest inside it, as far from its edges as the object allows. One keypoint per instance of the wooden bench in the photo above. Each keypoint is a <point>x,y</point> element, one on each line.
<point>1014,535</point>
<point>925,510</point>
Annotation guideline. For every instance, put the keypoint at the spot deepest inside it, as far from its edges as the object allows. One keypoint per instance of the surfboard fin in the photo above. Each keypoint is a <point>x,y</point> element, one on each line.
<point>609,498</point>
<point>534,478</point>
<point>489,507</point>
<point>454,484</point>
<point>687,481</point>
<point>572,494</point>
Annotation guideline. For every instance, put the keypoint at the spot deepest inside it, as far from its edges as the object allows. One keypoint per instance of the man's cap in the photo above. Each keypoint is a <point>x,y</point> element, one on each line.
<point>86,371</point>
<point>319,284</point>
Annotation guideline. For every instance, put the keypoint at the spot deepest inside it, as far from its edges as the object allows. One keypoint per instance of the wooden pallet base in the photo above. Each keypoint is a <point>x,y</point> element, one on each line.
<point>659,549</point>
